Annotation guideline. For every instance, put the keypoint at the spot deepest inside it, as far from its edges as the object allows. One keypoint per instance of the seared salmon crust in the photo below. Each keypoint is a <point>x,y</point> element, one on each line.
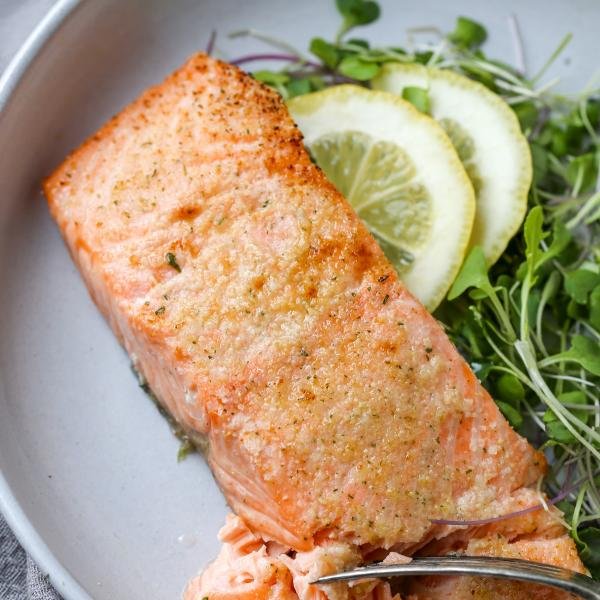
<point>339,417</point>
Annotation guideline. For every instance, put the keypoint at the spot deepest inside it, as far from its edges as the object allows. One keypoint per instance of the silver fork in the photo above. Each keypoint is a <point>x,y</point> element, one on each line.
<point>482,566</point>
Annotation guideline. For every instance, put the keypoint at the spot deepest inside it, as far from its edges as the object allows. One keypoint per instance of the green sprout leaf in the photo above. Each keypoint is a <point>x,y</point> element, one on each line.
<point>298,87</point>
<point>473,274</point>
<point>327,52</point>
<point>271,77</point>
<point>561,237</point>
<point>582,172</point>
<point>554,428</point>
<point>468,33</point>
<point>527,113</point>
<point>560,143</point>
<point>355,68</point>
<point>579,284</point>
<point>356,12</point>
<point>513,416</point>
<point>534,235</point>
<point>539,157</point>
<point>359,42</point>
<point>575,398</point>
<point>418,97</point>
<point>423,58</point>
<point>583,351</point>
<point>595,309</point>
<point>510,389</point>
<point>589,547</point>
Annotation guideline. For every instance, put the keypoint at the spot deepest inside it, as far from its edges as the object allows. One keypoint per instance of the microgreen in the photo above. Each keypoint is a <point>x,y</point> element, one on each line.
<point>536,322</point>
<point>513,416</point>
<point>579,284</point>
<point>357,68</point>
<point>327,52</point>
<point>583,351</point>
<point>418,97</point>
<point>356,12</point>
<point>510,389</point>
<point>589,548</point>
<point>473,274</point>
<point>468,33</point>
<point>274,78</point>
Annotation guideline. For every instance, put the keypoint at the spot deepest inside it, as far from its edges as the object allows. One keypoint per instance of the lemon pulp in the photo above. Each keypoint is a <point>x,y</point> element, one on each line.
<point>487,136</point>
<point>402,176</point>
<point>379,179</point>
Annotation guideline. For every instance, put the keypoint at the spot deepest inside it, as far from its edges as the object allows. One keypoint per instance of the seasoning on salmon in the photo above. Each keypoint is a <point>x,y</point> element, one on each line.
<point>251,296</point>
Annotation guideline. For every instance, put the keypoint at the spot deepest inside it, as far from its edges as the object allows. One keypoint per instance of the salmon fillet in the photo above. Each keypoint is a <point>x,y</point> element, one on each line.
<point>338,417</point>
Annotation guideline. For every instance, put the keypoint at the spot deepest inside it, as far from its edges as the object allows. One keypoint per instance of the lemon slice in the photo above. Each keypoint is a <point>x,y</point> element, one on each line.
<point>488,139</point>
<point>401,174</point>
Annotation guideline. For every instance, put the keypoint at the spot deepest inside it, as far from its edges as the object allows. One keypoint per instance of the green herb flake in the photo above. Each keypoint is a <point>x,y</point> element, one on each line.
<point>172,261</point>
<point>185,449</point>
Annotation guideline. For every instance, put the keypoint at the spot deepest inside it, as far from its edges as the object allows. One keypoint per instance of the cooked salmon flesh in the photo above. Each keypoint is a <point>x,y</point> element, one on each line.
<point>339,419</point>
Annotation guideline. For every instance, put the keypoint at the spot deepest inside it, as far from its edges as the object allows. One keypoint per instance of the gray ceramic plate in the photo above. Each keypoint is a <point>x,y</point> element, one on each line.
<point>90,480</point>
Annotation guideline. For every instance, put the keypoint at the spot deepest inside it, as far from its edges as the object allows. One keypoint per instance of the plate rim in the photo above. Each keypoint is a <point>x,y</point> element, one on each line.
<point>14,514</point>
